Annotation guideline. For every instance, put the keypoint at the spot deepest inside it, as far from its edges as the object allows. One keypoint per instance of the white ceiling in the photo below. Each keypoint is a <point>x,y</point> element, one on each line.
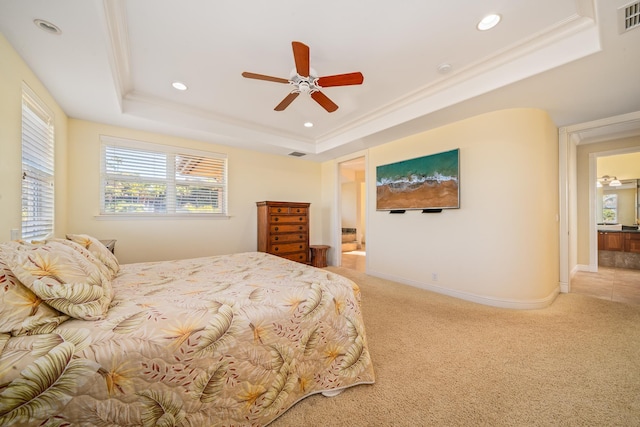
<point>115,61</point>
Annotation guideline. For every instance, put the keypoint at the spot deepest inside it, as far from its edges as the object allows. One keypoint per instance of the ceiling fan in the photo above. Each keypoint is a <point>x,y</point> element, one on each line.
<point>304,80</point>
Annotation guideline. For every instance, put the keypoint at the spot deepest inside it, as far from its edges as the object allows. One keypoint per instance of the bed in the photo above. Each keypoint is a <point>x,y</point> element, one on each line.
<point>231,340</point>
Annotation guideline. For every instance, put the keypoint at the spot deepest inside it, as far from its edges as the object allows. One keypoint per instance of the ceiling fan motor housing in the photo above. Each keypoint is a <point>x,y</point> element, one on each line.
<point>306,85</point>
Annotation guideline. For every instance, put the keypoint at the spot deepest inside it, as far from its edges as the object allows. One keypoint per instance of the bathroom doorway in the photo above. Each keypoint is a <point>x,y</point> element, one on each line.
<point>353,214</point>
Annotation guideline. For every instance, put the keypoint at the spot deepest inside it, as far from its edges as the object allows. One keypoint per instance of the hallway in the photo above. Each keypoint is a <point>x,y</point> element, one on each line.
<point>614,284</point>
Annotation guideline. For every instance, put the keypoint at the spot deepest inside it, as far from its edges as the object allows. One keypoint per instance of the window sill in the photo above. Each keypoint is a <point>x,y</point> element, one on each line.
<point>146,217</point>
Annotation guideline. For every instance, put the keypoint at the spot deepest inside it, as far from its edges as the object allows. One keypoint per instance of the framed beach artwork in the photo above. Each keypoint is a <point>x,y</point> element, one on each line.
<point>429,182</point>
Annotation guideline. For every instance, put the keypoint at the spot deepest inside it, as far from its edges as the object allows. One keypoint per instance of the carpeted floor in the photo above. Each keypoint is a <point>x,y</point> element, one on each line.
<point>441,361</point>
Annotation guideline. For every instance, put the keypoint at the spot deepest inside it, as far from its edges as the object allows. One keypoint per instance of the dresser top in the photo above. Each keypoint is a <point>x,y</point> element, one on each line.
<point>270,203</point>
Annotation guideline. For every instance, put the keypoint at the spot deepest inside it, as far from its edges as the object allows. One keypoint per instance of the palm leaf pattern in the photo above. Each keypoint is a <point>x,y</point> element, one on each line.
<point>46,385</point>
<point>208,386</point>
<point>161,409</point>
<point>131,323</point>
<point>219,331</point>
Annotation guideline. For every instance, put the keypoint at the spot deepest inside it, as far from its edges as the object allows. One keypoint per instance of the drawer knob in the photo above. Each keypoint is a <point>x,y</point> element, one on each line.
<point>276,238</point>
<point>300,219</point>
<point>276,219</point>
<point>276,228</point>
<point>276,249</point>
<point>300,228</point>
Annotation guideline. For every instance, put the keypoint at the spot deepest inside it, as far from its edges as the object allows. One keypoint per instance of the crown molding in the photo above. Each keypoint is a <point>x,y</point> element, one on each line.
<point>118,47</point>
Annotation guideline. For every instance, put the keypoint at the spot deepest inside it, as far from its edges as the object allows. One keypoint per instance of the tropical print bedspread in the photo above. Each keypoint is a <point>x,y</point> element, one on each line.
<point>231,340</point>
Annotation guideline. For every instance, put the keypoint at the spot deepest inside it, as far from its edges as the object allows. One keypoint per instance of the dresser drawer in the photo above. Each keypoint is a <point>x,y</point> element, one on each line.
<point>281,248</point>
<point>287,210</point>
<point>298,256</point>
<point>289,219</point>
<point>287,238</point>
<point>288,228</point>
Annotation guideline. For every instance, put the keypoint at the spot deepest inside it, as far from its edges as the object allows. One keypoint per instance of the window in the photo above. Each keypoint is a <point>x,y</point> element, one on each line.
<point>146,179</point>
<point>37,168</point>
<point>610,208</point>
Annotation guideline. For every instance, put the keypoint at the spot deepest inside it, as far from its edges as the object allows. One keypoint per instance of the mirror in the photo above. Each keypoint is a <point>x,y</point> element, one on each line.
<point>619,205</point>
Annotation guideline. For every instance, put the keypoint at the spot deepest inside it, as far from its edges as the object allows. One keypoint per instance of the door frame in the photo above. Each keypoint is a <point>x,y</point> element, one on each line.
<point>337,214</point>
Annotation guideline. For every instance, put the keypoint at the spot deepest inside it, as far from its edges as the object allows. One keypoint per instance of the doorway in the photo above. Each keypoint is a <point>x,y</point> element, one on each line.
<point>353,214</point>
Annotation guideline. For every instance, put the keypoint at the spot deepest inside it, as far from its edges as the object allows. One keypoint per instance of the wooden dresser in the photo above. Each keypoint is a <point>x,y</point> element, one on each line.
<point>283,229</point>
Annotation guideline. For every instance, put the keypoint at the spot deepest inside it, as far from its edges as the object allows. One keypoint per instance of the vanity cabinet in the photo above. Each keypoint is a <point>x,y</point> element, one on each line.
<point>283,229</point>
<point>610,241</point>
<point>632,242</point>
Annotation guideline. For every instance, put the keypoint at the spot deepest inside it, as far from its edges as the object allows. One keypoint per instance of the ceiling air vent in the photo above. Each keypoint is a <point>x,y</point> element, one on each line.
<point>629,17</point>
<point>297,154</point>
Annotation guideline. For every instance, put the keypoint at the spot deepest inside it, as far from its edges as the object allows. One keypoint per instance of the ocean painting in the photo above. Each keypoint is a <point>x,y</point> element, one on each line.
<point>429,182</point>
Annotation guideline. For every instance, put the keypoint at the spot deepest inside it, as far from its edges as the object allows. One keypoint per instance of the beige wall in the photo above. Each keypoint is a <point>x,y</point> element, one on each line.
<point>252,177</point>
<point>13,73</point>
<point>501,246</point>
<point>583,152</point>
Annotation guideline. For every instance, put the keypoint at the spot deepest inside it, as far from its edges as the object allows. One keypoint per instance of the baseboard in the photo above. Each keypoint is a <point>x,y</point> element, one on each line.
<point>485,300</point>
<point>590,268</point>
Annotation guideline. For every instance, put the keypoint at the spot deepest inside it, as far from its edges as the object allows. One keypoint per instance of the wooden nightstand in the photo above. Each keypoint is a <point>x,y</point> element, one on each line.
<point>110,244</point>
<point>319,255</point>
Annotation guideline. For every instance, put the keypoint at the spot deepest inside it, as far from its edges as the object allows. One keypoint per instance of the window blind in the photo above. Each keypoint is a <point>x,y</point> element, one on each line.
<point>141,178</point>
<point>37,169</point>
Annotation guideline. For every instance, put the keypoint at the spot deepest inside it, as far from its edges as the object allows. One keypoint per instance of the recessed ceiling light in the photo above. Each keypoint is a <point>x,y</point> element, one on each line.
<point>47,26</point>
<point>488,22</point>
<point>444,68</point>
<point>308,124</point>
<point>179,85</point>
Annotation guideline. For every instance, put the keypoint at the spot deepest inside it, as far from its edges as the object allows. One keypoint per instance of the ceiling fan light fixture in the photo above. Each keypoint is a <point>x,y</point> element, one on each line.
<point>488,22</point>
<point>308,124</point>
<point>304,87</point>
<point>615,183</point>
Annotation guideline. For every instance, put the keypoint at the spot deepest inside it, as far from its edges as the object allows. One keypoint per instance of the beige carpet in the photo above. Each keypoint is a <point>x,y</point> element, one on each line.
<point>441,361</point>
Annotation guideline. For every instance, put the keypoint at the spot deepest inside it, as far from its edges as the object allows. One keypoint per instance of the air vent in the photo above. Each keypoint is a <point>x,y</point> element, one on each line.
<point>297,154</point>
<point>629,17</point>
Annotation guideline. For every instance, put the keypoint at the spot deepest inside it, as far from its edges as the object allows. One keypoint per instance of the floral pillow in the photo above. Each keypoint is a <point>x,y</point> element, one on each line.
<point>64,279</point>
<point>106,272</point>
<point>21,311</point>
<point>98,249</point>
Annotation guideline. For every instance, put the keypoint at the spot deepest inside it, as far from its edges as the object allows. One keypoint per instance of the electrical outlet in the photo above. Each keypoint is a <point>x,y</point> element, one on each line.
<point>434,277</point>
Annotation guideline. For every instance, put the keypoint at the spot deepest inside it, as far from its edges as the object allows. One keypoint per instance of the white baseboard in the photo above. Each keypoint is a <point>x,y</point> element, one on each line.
<point>582,267</point>
<point>480,299</point>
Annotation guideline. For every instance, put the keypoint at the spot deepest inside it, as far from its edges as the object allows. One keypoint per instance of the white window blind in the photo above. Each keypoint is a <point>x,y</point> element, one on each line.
<point>141,178</point>
<point>37,168</point>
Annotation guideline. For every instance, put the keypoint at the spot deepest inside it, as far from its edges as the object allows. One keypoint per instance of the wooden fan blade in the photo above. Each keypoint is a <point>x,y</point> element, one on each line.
<point>341,80</point>
<point>325,102</point>
<point>286,101</point>
<point>301,57</point>
<point>263,77</point>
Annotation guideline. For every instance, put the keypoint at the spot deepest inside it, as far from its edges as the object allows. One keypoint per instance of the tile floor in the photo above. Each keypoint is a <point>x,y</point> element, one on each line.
<point>355,260</point>
<point>615,284</point>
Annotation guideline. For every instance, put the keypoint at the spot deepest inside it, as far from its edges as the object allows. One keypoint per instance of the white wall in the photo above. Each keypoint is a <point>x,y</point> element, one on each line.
<point>501,246</point>
<point>252,177</point>
<point>349,209</point>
